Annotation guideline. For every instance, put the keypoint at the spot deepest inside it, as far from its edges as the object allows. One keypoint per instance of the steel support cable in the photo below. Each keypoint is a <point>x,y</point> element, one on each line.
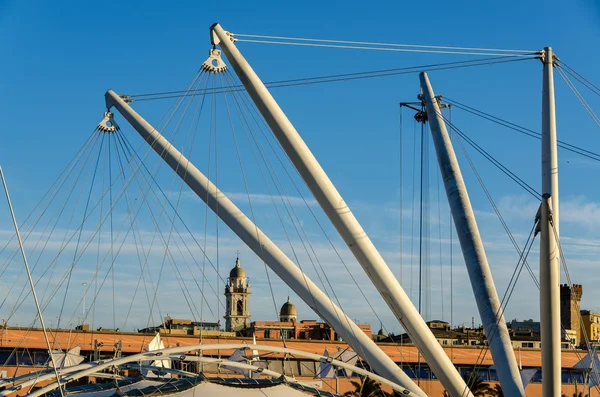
<point>489,197</point>
<point>254,141</point>
<point>495,162</point>
<point>392,49</point>
<point>170,253</point>
<point>136,236</point>
<point>102,221</point>
<point>50,193</point>
<point>166,199</point>
<point>30,279</point>
<point>179,234</point>
<point>87,205</point>
<point>129,211</point>
<point>298,262</point>
<point>64,244</point>
<point>252,208</point>
<point>213,128</point>
<point>153,180</point>
<point>480,180</point>
<point>592,87</point>
<point>579,97</point>
<point>72,236</point>
<point>271,84</point>
<point>439,222</point>
<point>175,209</point>
<point>588,345</point>
<point>522,258</point>
<point>112,241</point>
<point>400,180</point>
<point>257,118</point>
<point>526,131</point>
<point>336,77</point>
<point>224,80</point>
<point>176,130</point>
<point>56,213</point>
<point>433,47</point>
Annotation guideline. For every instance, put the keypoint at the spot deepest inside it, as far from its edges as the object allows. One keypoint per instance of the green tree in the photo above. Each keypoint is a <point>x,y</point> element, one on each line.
<point>478,387</point>
<point>497,391</point>
<point>367,388</point>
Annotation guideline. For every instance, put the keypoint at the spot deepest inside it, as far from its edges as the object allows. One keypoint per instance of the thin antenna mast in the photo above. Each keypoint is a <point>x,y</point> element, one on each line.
<point>31,283</point>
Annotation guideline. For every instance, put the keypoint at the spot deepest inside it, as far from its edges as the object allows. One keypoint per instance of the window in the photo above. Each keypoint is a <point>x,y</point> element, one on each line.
<point>240,308</point>
<point>527,344</point>
<point>267,333</point>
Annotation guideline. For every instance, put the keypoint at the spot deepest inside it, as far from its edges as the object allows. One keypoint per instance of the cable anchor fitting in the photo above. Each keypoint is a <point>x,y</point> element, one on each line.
<point>214,63</point>
<point>108,123</point>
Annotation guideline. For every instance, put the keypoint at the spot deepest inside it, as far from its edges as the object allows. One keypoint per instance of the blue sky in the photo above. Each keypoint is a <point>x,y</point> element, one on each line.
<point>59,61</point>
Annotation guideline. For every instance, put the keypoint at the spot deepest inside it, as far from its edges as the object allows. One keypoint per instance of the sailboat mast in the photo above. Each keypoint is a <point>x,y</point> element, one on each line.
<point>342,217</point>
<point>478,267</point>
<point>264,247</point>
<point>548,226</point>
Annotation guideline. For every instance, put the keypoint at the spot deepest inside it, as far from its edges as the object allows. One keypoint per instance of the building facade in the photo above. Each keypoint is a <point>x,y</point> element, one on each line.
<point>590,326</point>
<point>237,299</point>
<point>570,307</point>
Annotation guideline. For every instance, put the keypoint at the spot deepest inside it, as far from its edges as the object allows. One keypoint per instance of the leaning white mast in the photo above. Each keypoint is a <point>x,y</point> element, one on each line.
<point>342,217</point>
<point>268,251</point>
<point>549,228</point>
<point>478,267</point>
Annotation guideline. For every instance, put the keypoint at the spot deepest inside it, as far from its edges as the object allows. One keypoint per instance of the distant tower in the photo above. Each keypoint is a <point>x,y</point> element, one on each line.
<point>288,313</point>
<point>570,304</point>
<point>237,294</point>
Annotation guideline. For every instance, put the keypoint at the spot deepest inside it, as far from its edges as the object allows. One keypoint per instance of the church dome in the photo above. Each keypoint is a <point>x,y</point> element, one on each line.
<point>237,271</point>
<point>288,309</point>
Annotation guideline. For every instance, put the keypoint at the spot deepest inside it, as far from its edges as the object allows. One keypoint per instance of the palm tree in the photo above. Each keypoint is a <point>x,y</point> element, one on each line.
<point>476,385</point>
<point>497,391</point>
<point>368,388</point>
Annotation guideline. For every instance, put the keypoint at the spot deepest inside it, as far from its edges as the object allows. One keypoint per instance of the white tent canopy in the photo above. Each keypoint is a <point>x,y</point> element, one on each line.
<point>67,359</point>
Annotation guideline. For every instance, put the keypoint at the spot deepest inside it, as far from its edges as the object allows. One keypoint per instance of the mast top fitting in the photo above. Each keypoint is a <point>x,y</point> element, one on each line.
<point>214,63</point>
<point>108,123</point>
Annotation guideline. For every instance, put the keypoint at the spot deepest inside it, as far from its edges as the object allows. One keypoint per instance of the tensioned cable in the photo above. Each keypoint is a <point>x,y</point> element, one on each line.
<point>383,44</point>
<point>590,348</point>
<point>497,163</point>
<point>578,95</point>
<point>592,87</point>
<point>523,130</point>
<point>522,254</point>
<point>154,182</point>
<point>102,220</point>
<point>336,77</point>
<point>297,224</point>
<point>255,117</point>
<point>383,48</point>
<point>62,248</point>
<point>489,197</point>
<point>37,304</point>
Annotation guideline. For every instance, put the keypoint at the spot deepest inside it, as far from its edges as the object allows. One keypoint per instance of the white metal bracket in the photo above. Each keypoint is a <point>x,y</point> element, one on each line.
<point>108,123</point>
<point>214,63</point>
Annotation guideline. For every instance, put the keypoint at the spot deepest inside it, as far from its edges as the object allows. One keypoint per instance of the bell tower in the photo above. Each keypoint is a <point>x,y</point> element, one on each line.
<point>237,294</point>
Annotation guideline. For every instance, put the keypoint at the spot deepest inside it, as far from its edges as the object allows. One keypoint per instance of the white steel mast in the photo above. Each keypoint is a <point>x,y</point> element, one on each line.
<point>549,228</point>
<point>472,248</point>
<point>342,217</point>
<point>256,240</point>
